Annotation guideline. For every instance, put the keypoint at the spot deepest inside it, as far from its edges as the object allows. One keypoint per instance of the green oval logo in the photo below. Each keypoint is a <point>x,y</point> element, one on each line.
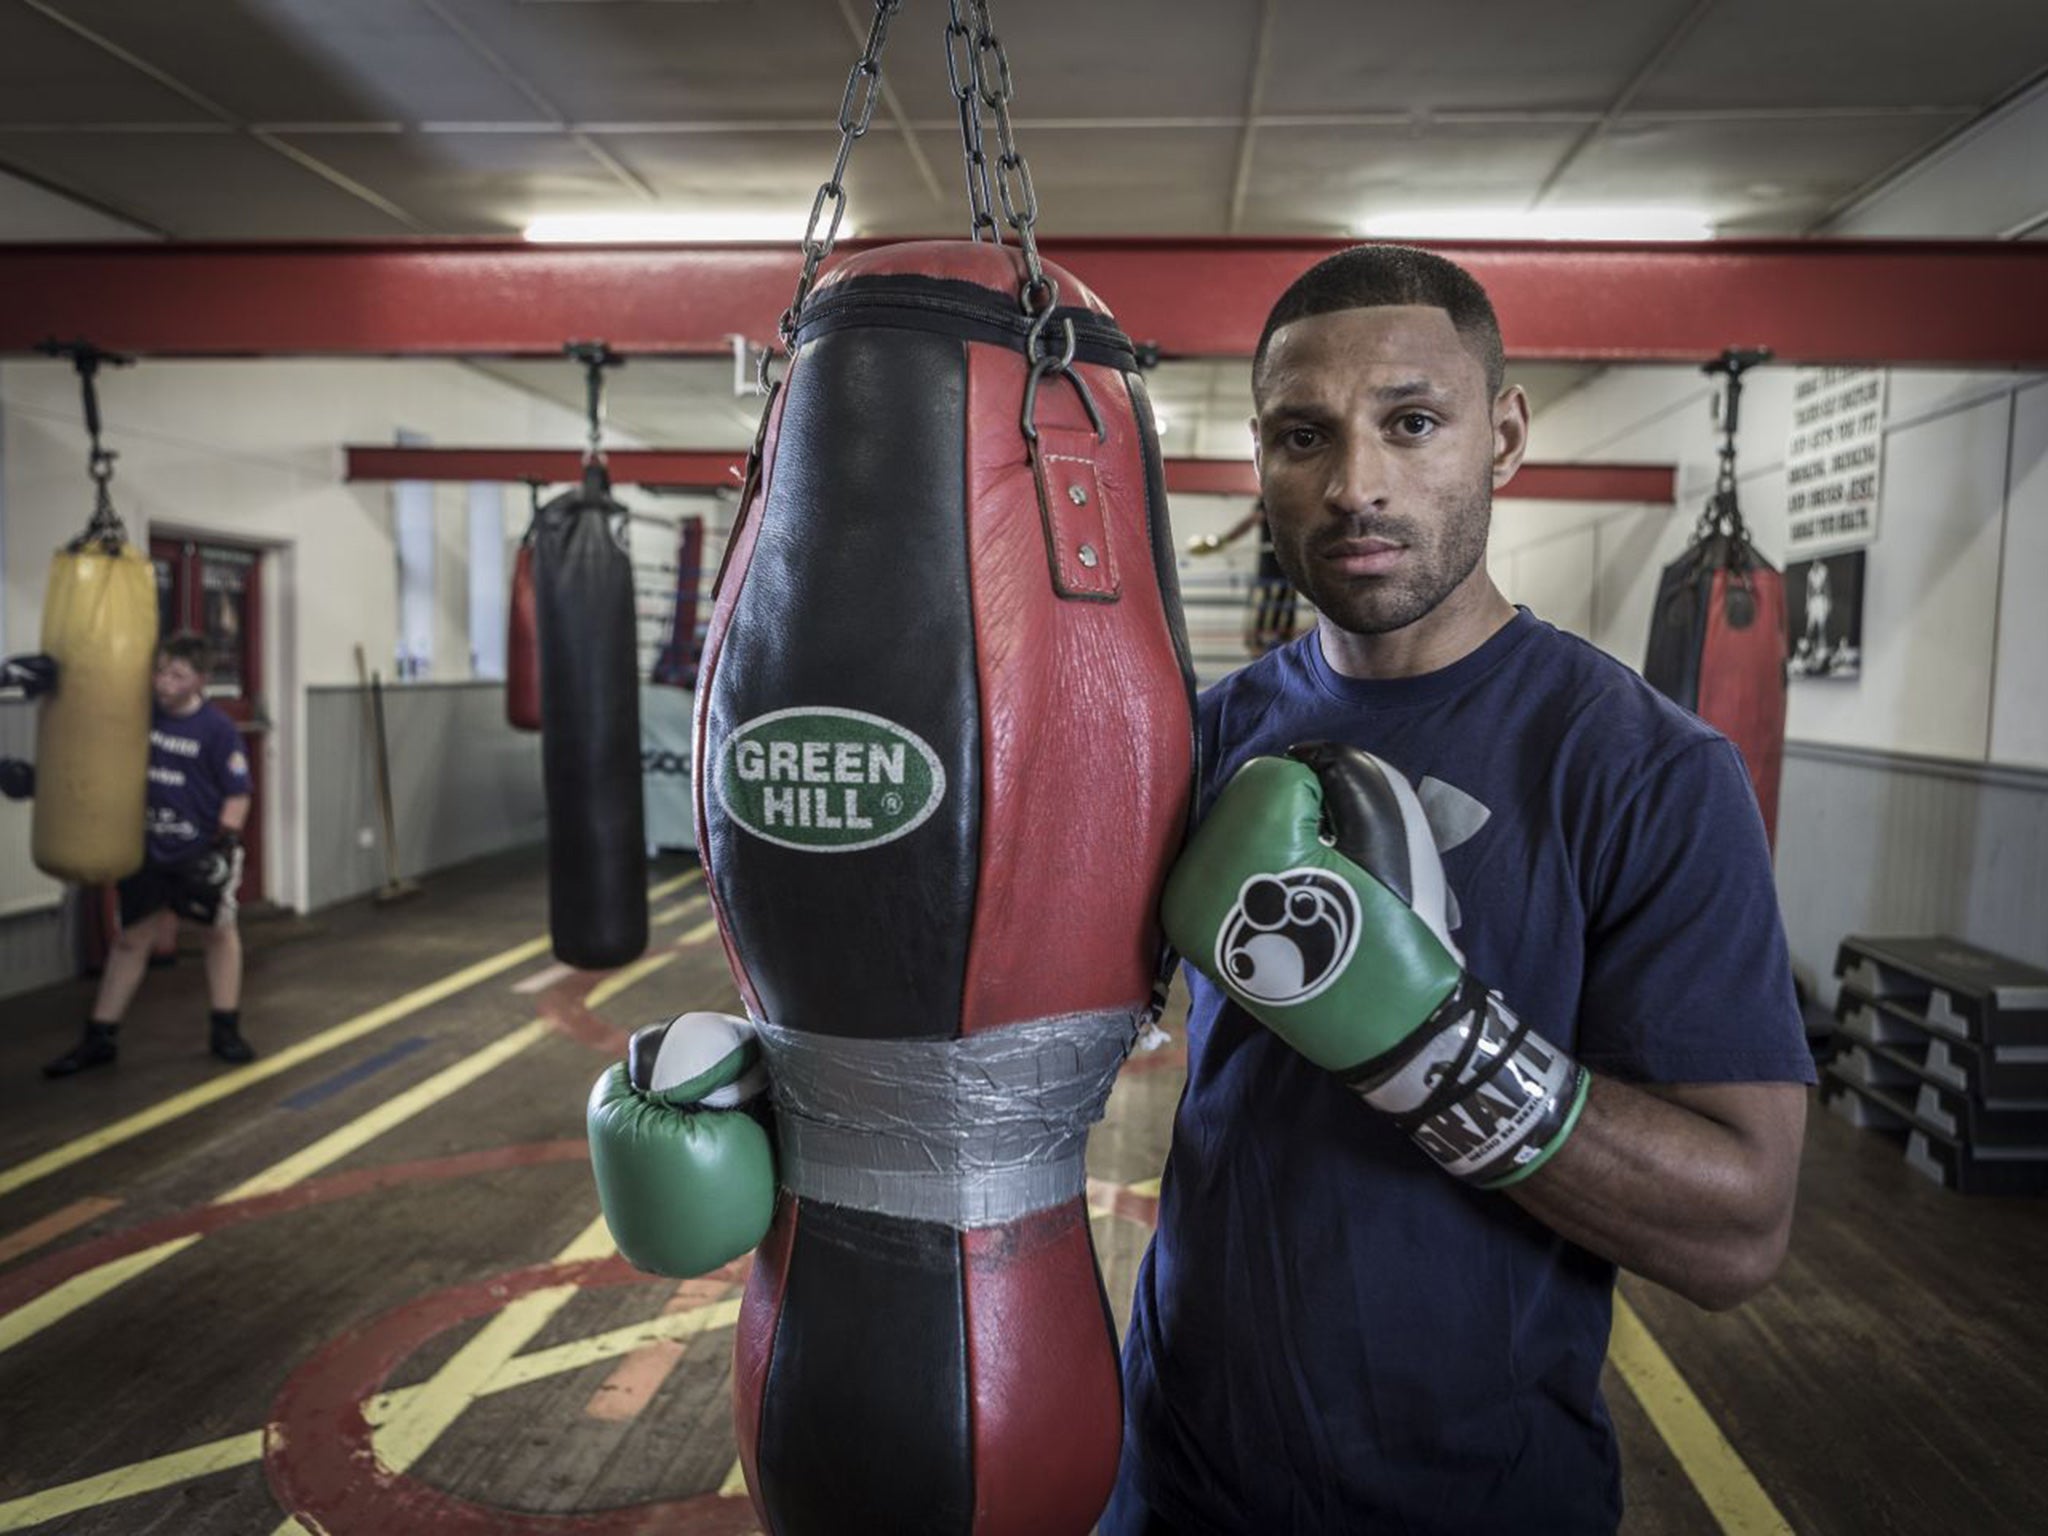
<point>825,780</point>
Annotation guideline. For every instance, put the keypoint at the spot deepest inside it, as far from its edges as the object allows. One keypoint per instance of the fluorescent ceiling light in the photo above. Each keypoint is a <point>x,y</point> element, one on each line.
<point>1543,224</point>
<point>655,228</point>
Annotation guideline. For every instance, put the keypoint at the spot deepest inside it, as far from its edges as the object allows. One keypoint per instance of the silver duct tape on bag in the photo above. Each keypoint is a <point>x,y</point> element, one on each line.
<point>969,1133</point>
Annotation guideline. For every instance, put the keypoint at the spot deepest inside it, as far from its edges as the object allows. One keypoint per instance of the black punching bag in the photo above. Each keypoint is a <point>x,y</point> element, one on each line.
<point>590,728</point>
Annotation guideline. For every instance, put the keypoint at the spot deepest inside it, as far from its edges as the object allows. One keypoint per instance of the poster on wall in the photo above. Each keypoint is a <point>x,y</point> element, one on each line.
<point>665,743</point>
<point>1834,462</point>
<point>1824,602</point>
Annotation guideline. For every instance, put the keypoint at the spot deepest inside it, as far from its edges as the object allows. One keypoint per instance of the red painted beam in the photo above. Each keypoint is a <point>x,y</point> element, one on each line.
<point>1212,477</point>
<point>699,471</point>
<point>1929,302</point>
<point>709,470</point>
<point>1653,484</point>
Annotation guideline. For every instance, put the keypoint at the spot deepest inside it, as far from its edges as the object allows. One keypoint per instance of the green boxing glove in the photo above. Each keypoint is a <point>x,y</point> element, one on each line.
<point>1313,895</point>
<point>685,1171</point>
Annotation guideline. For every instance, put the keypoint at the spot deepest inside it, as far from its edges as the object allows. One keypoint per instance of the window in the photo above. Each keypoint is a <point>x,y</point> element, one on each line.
<point>412,527</point>
<point>488,591</point>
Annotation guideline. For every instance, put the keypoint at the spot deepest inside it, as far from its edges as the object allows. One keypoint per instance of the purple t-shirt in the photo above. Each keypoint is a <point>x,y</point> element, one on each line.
<point>195,763</point>
<point>1329,1333</point>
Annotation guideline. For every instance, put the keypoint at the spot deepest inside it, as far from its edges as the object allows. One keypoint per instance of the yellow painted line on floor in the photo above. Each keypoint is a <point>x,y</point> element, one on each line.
<point>618,981</point>
<point>69,1218</point>
<point>1723,1480</point>
<point>82,1290</point>
<point>436,1403</point>
<point>680,910</point>
<point>514,1370</point>
<point>444,1397</point>
<point>671,1328</point>
<point>225,1455</point>
<point>125,1482</point>
<point>543,978</point>
<point>60,1301</point>
<point>393,1112</point>
<point>735,1484</point>
<point>264,1068</point>
<point>698,934</point>
<point>268,1066</point>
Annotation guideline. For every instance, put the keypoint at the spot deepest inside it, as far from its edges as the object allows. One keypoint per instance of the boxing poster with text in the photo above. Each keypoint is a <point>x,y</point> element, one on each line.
<point>1834,462</point>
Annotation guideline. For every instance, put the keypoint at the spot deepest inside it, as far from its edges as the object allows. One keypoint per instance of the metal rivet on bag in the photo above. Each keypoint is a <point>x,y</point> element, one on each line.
<point>1077,496</point>
<point>1088,555</point>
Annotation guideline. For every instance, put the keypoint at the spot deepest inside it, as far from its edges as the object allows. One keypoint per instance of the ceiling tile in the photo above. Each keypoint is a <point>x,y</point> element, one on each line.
<point>309,60</point>
<point>217,187</point>
<point>1325,180</point>
<point>1087,59</point>
<point>1347,56</point>
<point>51,75</point>
<point>781,172</point>
<point>736,59</point>
<point>1756,177</point>
<point>477,183</point>
<point>1132,181</point>
<point>1821,53</point>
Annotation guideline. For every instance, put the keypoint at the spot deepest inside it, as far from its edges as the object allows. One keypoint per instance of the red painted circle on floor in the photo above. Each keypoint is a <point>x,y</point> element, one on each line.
<point>322,1464</point>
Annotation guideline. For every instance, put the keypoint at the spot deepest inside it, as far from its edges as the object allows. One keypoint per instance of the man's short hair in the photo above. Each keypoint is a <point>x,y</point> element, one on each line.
<point>1373,276</point>
<point>189,647</point>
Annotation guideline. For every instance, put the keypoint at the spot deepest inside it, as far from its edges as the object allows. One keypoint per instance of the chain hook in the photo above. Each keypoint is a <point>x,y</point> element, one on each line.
<point>1723,513</point>
<point>105,526</point>
<point>595,356</point>
<point>857,105</point>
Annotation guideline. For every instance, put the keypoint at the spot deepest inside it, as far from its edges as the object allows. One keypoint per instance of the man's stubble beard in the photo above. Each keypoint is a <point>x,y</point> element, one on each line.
<point>1381,605</point>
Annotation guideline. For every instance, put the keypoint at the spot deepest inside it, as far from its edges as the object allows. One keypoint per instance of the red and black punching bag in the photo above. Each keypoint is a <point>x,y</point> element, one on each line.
<point>1718,640</point>
<point>522,645</point>
<point>1718,646</point>
<point>945,729</point>
<point>590,733</point>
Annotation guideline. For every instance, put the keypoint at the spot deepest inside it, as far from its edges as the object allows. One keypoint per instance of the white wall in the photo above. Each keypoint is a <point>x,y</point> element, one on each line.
<point>252,451</point>
<point>1954,643</point>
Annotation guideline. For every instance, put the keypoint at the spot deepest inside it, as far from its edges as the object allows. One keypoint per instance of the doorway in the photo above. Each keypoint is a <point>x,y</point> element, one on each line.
<point>215,588</point>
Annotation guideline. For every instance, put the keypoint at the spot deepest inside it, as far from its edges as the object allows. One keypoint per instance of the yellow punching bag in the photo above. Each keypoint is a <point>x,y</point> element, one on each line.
<point>92,737</point>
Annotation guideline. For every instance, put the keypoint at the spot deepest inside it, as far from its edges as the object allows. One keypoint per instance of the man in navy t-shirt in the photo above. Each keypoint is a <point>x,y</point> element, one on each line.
<point>199,794</point>
<point>1331,1332</point>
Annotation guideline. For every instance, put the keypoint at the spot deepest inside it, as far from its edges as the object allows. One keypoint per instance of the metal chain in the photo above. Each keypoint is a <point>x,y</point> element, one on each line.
<point>856,113</point>
<point>1019,196</point>
<point>595,356</point>
<point>963,70</point>
<point>105,526</point>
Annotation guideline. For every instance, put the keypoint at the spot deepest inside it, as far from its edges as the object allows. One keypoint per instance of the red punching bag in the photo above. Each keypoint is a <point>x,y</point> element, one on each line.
<point>522,636</point>
<point>1718,638</point>
<point>946,735</point>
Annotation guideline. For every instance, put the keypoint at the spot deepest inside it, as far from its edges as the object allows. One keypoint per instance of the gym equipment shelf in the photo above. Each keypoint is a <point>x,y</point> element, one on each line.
<point>1946,1043</point>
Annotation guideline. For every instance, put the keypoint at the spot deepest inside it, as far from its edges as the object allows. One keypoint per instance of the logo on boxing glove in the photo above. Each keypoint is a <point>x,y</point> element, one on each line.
<point>1289,936</point>
<point>824,780</point>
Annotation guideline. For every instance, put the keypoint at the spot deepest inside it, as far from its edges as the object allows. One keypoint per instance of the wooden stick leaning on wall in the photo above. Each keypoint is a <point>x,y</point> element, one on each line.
<point>394,888</point>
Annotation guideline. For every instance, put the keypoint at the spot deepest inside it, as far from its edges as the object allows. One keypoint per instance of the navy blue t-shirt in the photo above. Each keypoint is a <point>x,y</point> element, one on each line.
<point>1329,1333</point>
<point>195,763</point>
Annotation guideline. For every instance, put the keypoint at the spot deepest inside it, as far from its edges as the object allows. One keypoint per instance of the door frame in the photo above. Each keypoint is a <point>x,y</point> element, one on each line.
<point>276,746</point>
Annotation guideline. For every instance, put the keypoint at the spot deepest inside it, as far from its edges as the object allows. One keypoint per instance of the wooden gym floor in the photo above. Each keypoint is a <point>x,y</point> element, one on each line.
<point>361,1287</point>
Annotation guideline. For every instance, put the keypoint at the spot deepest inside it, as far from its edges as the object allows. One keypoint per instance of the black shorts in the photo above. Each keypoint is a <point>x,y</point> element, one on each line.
<point>154,887</point>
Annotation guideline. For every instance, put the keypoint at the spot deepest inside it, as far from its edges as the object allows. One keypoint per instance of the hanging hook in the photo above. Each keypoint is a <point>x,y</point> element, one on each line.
<point>595,356</point>
<point>1723,513</point>
<point>88,359</point>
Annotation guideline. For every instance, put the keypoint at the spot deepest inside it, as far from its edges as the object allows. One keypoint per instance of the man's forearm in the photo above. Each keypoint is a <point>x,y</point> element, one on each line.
<point>234,813</point>
<point>1686,1186</point>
